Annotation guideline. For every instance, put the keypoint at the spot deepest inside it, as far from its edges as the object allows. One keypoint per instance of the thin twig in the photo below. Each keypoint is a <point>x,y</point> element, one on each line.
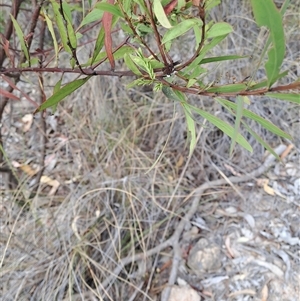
<point>156,33</point>
<point>201,10</point>
<point>42,125</point>
<point>133,28</point>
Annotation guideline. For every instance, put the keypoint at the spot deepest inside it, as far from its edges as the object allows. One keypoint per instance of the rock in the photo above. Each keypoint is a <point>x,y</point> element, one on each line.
<point>181,293</point>
<point>204,257</point>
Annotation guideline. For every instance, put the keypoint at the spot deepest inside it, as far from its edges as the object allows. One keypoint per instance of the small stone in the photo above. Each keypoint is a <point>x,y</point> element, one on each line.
<point>204,257</point>
<point>181,293</point>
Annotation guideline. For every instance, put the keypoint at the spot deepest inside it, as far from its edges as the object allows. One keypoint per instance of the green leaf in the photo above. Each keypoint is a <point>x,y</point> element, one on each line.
<point>224,127</point>
<point>56,89</point>
<point>131,65</point>
<point>222,58</point>
<point>144,64</point>
<point>209,4</point>
<point>139,82</point>
<point>142,6</point>
<point>219,29</point>
<point>100,40</point>
<point>94,15</point>
<point>160,14</point>
<point>190,122</point>
<point>263,122</point>
<point>196,72</point>
<point>266,14</point>
<point>181,4</point>
<point>191,82</point>
<point>119,54</point>
<point>292,97</point>
<point>179,29</point>
<point>231,88</point>
<point>70,30</point>
<point>172,95</point>
<point>60,24</point>
<point>144,29</point>
<point>114,10</point>
<point>261,141</point>
<point>205,49</point>
<point>51,30</point>
<point>198,34</point>
<point>32,62</point>
<point>57,86</point>
<point>127,6</point>
<point>62,93</point>
<point>265,82</point>
<point>21,37</point>
<point>238,118</point>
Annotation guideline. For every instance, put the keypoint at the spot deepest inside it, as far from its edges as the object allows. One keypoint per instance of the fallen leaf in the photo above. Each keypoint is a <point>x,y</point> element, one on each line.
<point>264,293</point>
<point>247,292</point>
<point>232,170</point>
<point>287,151</point>
<point>269,190</point>
<point>228,247</point>
<point>54,183</point>
<point>27,121</point>
<point>28,170</point>
<point>180,161</point>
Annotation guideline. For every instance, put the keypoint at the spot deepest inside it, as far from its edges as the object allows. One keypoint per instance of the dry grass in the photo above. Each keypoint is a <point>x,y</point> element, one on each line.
<point>102,144</point>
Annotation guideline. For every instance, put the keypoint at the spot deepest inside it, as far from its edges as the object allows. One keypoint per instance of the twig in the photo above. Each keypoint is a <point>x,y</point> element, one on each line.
<point>42,126</point>
<point>157,35</point>
<point>133,28</point>
<point>201,10</point>
<point>174,239</point>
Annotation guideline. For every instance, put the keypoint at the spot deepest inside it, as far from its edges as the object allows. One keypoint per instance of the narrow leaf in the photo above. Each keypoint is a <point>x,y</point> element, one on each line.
<point>60,24</point>
<point>98,45</point>
<point>265,82</point>
<point>70,30</point>
<point>224,127</point>
<point>190,122</point>
<point>8,94</point>
<point>62,93</point>
<point>211,4</point>
<point>110,8</point>
<point>51,30</point>
<point>107,22</point>
<point>205,49</point>
<point>170,93</point>
<point>261,141</point>
<point>179,29</point>
<point>231,88</point>
<point>131,65</point>
<point>222,58</point>
<point>219,29</point>
<point>160,14</point>
<point>263,122</point>
<point>238,118</point>
<point>92,16</point>
<point>21,37</point>
<point>292,97</point>
<point>13,85</point>
<point>267,14</point>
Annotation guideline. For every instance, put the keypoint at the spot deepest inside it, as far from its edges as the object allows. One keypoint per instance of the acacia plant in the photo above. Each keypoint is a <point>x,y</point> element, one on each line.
<point>149,29</point>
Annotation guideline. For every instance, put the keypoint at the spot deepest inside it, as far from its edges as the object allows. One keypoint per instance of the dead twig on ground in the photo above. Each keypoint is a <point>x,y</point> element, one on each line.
<point>173,241</point>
